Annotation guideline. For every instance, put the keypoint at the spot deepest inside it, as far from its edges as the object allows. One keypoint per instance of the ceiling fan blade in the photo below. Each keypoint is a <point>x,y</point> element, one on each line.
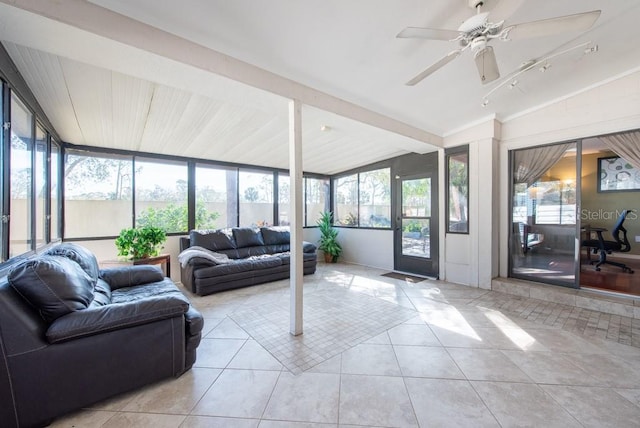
<point>487,65</point>
<point>427,33</point>
<point>434,67</point>
<point>504,9</point>
<point>547,27</point>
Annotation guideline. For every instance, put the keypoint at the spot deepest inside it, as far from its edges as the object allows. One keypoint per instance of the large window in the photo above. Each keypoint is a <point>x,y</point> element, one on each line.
<point>346,201</point>
<point>97,186</point>
<point>21,175</point>
<point>100,185</point>
<point>458,190</point>
<point>375,198</point>
<point>28,190</point>
<point>161,194</point>
<point>255,191</point>
<point>543,229</point>
<point>216,205</point>
<point>316,199</point>
<point>363,199</point>
<point>284,205</point>
<point>56,232</point>
<point>39,175</point>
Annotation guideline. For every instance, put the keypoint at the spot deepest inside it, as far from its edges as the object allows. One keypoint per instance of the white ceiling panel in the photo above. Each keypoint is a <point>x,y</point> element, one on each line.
<point>43,73</point>
<point>131,103</point>
<point>92,98</point>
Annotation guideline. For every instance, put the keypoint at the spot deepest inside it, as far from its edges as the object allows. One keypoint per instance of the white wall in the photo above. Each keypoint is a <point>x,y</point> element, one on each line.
<point>367,247</point>
<point>472,259</point>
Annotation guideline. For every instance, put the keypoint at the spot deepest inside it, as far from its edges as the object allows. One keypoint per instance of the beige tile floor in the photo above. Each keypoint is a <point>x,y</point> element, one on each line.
<point>465,359</point>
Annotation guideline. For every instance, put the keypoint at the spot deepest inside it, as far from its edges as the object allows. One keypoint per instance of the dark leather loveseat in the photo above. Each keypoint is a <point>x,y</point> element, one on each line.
<point>223,259</point>
<point>72,335</point>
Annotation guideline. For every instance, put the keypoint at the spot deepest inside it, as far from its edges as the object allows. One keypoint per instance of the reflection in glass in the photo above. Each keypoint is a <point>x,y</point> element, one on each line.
<point>543,233</point>
<point>256,198</point>
<point>55,193</point>
<point>96,187</point>
<point>416,237</point>
<point>316,199</point>
<point>41,191</point>
<point>212,191</point>
<point>161,195</point>
<point>21,170</point>
<point>284,206</point>
<point>416,197</point>
<point>375,198</point>
<point>346,201</point>
<point>458,203</point>
<point>416,221</point>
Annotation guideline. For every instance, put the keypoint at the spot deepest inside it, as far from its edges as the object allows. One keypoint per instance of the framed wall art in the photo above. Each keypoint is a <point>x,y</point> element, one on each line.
<point>616,174</point>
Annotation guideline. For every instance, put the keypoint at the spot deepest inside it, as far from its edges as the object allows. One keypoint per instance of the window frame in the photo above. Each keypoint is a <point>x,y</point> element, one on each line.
<point>357,172</point>
<point>40,237</point>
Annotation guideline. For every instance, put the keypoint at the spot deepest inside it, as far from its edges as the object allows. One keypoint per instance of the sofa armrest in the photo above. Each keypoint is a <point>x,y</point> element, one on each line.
<point>308,247</point>
<point>114,317</point>
<point>130,276</point>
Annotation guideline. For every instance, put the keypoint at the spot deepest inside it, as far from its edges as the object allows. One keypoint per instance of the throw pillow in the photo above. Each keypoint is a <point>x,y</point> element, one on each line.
<point>54,285</point>
<point>85,258</point>
<point>247,237</point>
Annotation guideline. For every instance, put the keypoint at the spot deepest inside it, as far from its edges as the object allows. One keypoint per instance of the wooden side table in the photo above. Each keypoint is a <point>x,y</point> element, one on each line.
<point>163,259</point>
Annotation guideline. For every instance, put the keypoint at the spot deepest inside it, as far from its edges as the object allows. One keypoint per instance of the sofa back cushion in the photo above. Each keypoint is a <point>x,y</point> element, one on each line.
<point>214,240</point>
<point>247,237</point>
<point>54,285</point>
<point>276,235</point>
<point>85,258</point>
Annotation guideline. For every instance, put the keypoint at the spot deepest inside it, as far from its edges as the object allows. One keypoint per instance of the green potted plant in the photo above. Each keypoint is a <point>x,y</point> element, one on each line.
<point>140,242</point>
<point>328,242</point>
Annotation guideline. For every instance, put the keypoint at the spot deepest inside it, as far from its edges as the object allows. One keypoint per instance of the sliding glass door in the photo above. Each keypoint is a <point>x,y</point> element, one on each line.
<point>544,221</point>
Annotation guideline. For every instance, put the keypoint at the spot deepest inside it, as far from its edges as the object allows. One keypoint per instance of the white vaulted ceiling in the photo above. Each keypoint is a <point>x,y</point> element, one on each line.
<point>103,82</point>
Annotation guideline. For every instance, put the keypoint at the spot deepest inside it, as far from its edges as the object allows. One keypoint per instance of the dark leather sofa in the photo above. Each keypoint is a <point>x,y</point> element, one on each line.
<point>238,257</point>
<point>72,335</point>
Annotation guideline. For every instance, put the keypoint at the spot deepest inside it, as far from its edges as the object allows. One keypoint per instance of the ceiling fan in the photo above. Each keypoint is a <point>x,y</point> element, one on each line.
<point>476,32</point>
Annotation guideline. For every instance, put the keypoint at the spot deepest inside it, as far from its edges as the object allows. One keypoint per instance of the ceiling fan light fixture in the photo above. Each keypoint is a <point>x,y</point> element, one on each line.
<point>487,66</point>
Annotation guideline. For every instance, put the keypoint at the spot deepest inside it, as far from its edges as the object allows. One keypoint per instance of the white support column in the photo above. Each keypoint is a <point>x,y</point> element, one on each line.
<point>296,201</point>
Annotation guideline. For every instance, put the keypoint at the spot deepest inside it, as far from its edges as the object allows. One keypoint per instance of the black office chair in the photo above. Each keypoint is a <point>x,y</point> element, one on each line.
<point>604,247</point>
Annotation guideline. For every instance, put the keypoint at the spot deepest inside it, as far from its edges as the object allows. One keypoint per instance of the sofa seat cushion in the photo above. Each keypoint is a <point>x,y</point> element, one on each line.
<point>101,294</point>
<point>248,264</point>
<point>54,285</point>
<point>286,257</point>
